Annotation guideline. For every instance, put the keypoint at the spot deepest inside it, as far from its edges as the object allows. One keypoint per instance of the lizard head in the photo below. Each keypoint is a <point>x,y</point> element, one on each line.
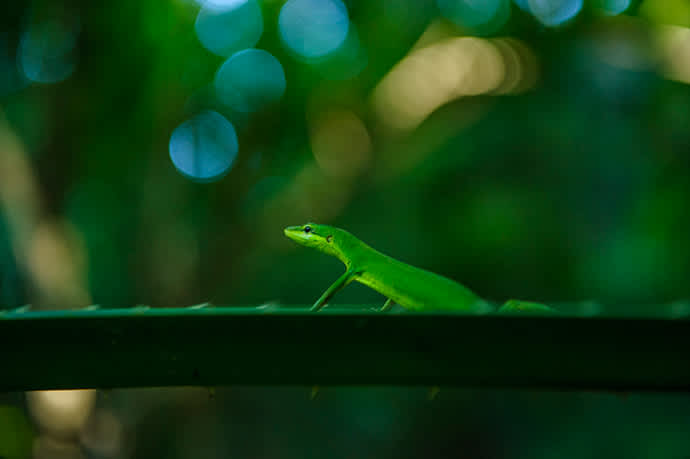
<point>321,237</point>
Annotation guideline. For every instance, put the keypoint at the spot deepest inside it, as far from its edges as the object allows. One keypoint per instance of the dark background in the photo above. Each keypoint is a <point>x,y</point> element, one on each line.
<point>546,160</point>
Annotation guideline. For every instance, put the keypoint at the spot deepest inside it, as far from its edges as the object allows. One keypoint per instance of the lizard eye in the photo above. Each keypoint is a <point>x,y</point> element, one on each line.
<point>307,229</point>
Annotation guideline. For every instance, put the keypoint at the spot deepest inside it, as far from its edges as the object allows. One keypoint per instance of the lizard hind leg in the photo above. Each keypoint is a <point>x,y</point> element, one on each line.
<point>511,306</point>
<point>387,305</point>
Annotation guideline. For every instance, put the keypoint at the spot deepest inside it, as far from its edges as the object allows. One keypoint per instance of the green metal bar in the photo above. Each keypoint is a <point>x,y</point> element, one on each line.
<point>140,347</point>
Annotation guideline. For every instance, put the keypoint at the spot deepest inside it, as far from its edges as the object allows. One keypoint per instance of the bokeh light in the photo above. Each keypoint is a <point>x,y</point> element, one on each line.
<point>520,66</point>
<point>611,7</point>
<point>522,4</point>
<point>225,27</point>
<point>554,12</point>
<point>624,44</point>
<point>51,251</point>
<point>51,447</point>
<point>61,412</point>
<point>46,51</point>
<point>220,4</point>
<point>340,143</point>
<point>673,45</point>
<point>56,257</point>
<point>313,28</point>
<point>480,16</point>
<point>204,147</point>
<point>346,62</point>
<point>616,62</point>
<point>103,434</point>
<point>435,75</point>
<point>250,80</point>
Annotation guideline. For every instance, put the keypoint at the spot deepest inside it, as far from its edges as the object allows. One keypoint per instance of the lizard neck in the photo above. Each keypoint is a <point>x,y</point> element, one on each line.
<point>352,251</point>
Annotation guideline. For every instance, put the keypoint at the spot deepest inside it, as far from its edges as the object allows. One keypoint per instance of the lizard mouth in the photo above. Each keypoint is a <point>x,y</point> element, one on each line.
<point>296,233</point>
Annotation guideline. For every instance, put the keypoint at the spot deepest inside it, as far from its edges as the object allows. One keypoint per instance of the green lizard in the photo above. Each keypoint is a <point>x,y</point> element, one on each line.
<point>410,287</point>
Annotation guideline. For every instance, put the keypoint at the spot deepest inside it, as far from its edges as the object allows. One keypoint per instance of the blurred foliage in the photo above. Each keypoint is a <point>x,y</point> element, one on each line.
<point>573,188</point>
<point>547,160</point>
<point>15,433</point>
<point>376,422</point>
